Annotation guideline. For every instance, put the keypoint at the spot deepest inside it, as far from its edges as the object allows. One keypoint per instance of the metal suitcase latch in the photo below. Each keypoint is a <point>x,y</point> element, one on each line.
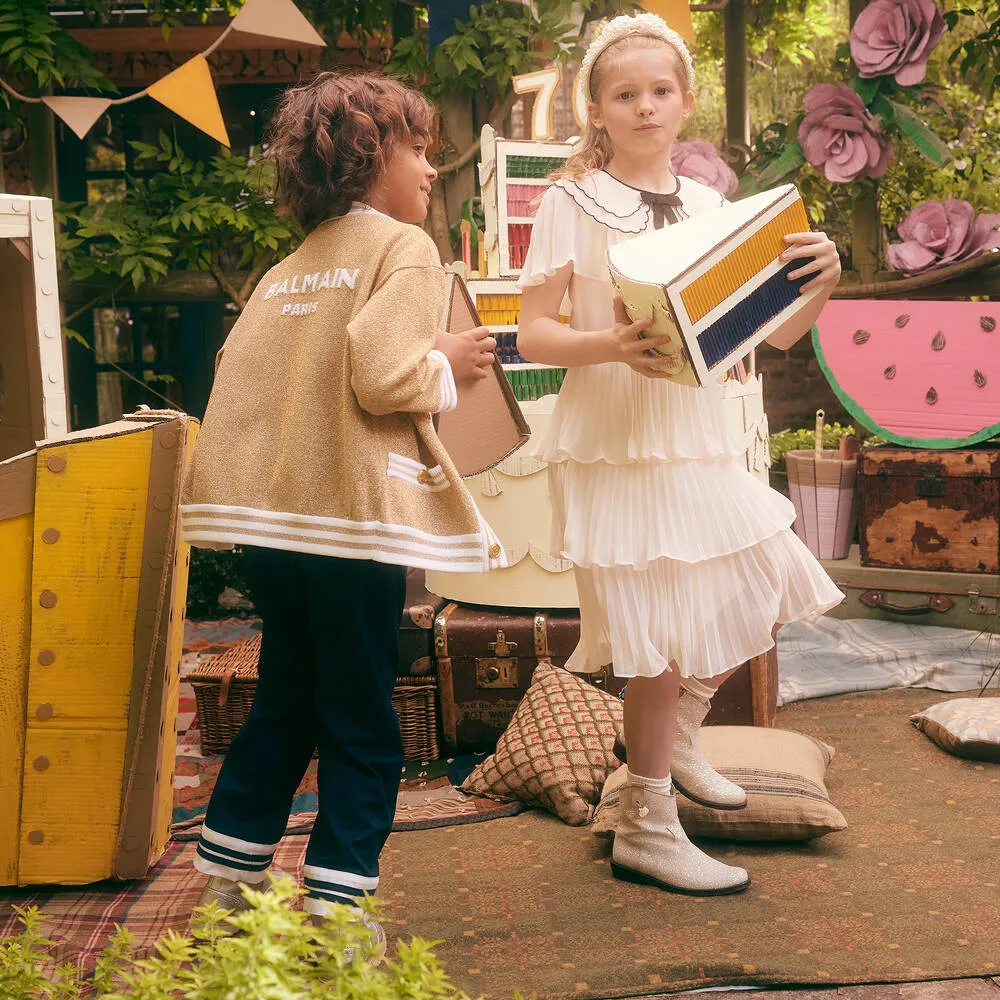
<point>499,670</point>
<point>979,605</point>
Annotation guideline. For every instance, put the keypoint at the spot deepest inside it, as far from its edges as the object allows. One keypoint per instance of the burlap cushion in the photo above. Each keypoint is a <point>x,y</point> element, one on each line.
<point>782,773</point>
<point>966,727</point>
<point>557,751</point>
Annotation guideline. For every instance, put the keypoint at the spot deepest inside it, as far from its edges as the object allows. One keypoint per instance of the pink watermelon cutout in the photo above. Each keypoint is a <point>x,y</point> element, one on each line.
<point>920,373</point>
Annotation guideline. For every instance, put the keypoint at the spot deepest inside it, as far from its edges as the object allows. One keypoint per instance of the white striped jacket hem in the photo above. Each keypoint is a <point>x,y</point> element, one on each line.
<point>397,544</point>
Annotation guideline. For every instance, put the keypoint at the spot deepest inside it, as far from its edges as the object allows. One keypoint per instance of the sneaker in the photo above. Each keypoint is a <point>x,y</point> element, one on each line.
<point>228,893</point>
<point>375,929</point>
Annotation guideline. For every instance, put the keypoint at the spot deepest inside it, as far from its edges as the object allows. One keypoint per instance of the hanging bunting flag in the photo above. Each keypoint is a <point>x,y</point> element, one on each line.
<point>79,113</point>
<point>676,13</point>
<point>277,19</point>
<point>189,92</point>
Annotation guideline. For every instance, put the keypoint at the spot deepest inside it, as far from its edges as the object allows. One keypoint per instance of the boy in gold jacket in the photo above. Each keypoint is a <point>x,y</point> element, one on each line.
<point>318,455</point>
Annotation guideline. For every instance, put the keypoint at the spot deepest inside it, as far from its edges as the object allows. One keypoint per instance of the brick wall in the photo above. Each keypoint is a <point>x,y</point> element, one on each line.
<point>795,388</point>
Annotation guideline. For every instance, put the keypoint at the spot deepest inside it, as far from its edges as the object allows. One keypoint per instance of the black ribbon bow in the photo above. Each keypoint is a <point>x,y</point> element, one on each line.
<point>664,207</point>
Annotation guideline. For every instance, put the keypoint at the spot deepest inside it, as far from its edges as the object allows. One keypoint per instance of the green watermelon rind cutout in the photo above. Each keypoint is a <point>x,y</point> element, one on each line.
<point>858,412</point>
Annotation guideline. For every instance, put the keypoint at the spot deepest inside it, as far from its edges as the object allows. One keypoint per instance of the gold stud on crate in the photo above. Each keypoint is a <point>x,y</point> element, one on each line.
<point>47,599</point>
<point>41,763</point>
<point>36,837</point>
<point>55,463</point>
<point>43,712</point>
<point>50,536</point>
<point>46,658</point>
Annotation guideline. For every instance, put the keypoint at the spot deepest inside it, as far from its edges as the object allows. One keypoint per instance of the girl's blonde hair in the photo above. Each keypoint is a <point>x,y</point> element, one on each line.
<point>594,151</point>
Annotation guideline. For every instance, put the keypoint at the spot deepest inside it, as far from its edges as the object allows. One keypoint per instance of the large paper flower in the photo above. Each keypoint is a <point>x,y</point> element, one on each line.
<point>942,232</point>
<point>699,160</point>
<point>840,135</point>
<point>896,36</point>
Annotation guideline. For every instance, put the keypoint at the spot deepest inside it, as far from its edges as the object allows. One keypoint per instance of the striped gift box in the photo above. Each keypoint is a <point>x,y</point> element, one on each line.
<point>714,283</point>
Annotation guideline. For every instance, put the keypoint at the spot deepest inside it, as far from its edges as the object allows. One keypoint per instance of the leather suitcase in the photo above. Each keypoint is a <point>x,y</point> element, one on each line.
<point>416,627</point>
<point>922,597</point>
<point>486,658</point>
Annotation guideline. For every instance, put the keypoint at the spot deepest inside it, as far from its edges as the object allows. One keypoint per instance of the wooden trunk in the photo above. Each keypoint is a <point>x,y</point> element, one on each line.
<point>750,696</point>
<point>486,658</point>
<point>930,509</point>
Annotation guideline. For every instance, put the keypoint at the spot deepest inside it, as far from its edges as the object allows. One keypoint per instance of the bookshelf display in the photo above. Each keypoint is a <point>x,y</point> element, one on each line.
<point>514,497</point>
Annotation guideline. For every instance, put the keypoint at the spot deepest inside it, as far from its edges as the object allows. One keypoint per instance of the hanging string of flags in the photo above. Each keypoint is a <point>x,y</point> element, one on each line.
<point>188,91</point>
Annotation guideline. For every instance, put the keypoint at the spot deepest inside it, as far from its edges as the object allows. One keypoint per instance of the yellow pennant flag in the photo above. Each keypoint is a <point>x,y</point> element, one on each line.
<point>279,20</point>
<point>79,113</point>
<point>189,92</point>
<point>676,13</point>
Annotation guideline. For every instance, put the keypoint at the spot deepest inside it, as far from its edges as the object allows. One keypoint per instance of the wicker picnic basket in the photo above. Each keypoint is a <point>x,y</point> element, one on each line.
<point>224,688</point>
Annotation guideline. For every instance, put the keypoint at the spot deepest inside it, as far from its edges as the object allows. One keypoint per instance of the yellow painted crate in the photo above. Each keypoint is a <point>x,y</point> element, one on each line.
<point>90,649</point>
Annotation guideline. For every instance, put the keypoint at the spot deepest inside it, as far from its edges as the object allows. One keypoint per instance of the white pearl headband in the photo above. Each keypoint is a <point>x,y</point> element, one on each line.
<point>621,27</point>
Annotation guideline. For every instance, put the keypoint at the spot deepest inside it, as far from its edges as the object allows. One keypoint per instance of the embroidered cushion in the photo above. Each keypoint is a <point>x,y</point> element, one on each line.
<point>965,727</point>
<point>783,775</point>
<point>557,751</point>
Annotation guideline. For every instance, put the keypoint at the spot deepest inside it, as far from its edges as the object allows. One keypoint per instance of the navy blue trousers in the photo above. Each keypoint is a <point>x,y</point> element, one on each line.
<point>328,662</point>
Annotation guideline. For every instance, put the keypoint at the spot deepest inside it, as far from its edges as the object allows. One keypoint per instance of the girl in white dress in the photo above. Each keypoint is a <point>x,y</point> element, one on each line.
<point>685,563</point>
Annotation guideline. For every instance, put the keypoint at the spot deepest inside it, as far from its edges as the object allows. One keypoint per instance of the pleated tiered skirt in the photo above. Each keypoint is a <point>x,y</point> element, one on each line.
<point>682,557</point>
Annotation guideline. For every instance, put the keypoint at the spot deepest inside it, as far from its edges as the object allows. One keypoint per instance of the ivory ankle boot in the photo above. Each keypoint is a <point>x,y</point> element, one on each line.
<point>651,848</point>
<point>693,776</point>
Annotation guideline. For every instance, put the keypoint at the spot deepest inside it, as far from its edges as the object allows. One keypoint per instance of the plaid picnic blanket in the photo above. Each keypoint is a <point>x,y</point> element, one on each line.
<point>80,919</point>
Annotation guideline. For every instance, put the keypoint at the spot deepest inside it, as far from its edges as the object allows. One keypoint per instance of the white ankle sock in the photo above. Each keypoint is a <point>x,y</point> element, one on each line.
<point>659,784</point>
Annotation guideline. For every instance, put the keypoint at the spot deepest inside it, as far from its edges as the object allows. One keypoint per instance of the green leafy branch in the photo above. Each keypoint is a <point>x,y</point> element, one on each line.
<point>277,953</point>
<point>978,57</point>
<point>215,215</point>
<point>35,50</point>
<point>500,40</point>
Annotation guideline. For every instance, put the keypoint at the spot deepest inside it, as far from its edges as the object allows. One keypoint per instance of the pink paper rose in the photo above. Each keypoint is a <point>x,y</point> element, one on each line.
<point>942,232</point>
<point>840,135</point>
<point>896,36</point>
<point>699,160</point>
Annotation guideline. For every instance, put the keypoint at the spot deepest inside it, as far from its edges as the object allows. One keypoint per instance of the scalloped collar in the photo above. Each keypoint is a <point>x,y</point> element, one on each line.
<point>610,201</point>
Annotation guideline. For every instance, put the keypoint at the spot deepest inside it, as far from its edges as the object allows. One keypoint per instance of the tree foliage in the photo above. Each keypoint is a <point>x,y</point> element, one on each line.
<point>500,39</point>
<point>213,215</point>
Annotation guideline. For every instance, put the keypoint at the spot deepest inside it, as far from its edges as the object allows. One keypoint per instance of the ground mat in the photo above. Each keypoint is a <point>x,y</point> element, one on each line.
<point>908,892</point>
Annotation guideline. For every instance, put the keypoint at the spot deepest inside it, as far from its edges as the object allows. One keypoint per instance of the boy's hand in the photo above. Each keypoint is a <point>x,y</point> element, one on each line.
<point>470,353</point>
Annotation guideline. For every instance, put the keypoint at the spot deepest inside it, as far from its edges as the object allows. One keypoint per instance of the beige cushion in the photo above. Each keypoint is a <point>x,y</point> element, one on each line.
<point>782,773</point>
<point>966,727</point>
<point>557,751</point>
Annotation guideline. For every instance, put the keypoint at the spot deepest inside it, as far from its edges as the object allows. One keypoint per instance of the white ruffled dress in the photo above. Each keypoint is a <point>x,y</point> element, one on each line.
<point>681,555</point>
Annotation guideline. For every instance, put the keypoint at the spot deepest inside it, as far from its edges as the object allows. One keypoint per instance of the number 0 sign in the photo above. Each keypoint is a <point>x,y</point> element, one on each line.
<point>544,84</point>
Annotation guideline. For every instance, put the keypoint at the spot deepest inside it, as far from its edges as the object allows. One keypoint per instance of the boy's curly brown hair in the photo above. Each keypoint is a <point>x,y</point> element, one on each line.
<point>331,139</point>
